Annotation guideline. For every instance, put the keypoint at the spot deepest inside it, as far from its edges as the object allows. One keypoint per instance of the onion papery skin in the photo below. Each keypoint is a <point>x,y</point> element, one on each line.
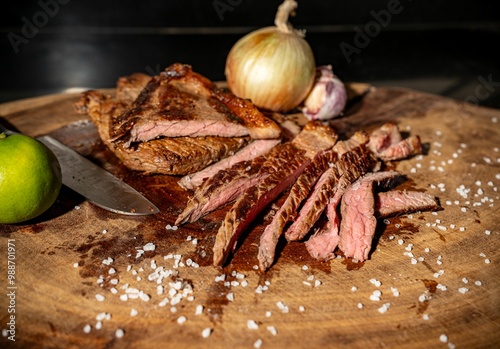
<point>272,68</point>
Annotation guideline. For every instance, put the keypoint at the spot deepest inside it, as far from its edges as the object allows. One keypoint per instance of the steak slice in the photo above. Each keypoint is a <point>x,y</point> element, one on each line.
<point>354,156</point>
<point>387,143</point>
<point>404,149</point>
<point>358,223</point>
<point>396,202</point>
<point>323,242</point>
<point>228,184</point>
<point>384,136</point>
<point>176,156</point>
<point>251,151</point>
<point>225,186</point>
<point>284,170</point>
<point>287,211</point>
<point>179,102</point>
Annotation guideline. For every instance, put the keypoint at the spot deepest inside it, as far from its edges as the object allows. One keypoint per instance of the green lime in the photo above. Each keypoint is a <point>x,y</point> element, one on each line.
<point>30,178</point>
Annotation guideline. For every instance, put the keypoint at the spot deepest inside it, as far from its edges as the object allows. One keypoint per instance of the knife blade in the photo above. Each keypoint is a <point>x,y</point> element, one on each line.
<point>95,183</point>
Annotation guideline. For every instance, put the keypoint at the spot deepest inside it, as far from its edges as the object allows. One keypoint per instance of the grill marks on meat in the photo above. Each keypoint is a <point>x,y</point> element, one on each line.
<point>287,212</point>
<point>254,201</point>
<point>355,162</point>
<point>354,156</point>
<point>283,169</point>
<point>358,223</point>
<point>180,102</point>
<point>166,155</point>
<point>226,185</point>
<point>387,143</point>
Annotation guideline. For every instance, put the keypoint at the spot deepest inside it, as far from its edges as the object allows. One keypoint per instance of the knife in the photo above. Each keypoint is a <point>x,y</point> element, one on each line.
<point>93,182</point>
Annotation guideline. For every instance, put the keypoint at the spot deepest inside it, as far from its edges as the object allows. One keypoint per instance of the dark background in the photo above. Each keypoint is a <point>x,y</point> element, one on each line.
<point>446,47</point>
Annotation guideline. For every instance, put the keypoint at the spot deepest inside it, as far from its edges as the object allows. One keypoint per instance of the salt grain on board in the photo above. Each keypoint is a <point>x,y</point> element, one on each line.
<point>206,332</point>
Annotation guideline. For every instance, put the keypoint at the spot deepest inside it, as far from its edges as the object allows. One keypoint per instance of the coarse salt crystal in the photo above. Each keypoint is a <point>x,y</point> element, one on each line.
<point>487,232</point>
<point>478,283</point>
<point>133,312</point>
<point>463,290</point>
<point>206,332</point>
<point>99,297</point>
<point>199,310</point>
<point>443,338</point>
<point>252,325</point>
<point>257,344</point>
<point>75,265</point>
<point>425,316</point>
<point>119,333</point>
<point>181,320</point>
<point>360,305</point>
<point>87,328</point>
<point>301,308</point>
<point>273,330</point>
<point>383,309</point>
<point>149,247</point>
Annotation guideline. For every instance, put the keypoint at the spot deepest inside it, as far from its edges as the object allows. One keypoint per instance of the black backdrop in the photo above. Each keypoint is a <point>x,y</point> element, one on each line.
<point>445,47</point>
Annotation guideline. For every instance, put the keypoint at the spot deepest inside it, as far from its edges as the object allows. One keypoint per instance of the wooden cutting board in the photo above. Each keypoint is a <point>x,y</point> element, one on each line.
<point>437,273</point>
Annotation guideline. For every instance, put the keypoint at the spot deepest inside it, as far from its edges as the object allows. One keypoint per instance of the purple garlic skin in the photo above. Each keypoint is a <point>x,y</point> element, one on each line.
<point>328,96</point>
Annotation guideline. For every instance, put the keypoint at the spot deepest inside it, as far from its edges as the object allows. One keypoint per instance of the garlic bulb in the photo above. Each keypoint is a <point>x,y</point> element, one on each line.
<point>273,66</point>
<point>327,98</point>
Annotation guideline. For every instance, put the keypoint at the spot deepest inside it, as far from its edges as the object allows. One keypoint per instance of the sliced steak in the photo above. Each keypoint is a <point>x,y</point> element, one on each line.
<point>180,102</point>
<point>358,222</point>
<point>251,151</point>
<point>323,242</point>
<point>387,143</point>
<point>284,171</point>
<point>355,157</point>
<point>226,185</point>
<point>404,149</point>
<point>176,156</point>
<point>287,211</point>
<point>383,137</point>
<point>397,202</point>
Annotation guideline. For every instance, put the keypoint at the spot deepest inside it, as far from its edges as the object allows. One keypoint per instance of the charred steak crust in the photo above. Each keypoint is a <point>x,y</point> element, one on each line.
<point>287,211</point>
<point>255,199</point>
<point>180,102</point>
<point>283,169</point>
<point>175,156</point>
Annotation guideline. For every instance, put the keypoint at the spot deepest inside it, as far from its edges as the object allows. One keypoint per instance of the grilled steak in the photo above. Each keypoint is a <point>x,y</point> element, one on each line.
<point>387,143</point>
<point>284,169</point>
<point>180,102</point>
<point>287,211</point>
<point>225,186</point>
<point>251,151</point>
<point>396,202</point>
<point>354,157</point>
<point>129,87</point>
<point>383,137</point>
<point>404,149</point>
<point>323,242</point>
<point>358,223</point>
<point>167,155</point>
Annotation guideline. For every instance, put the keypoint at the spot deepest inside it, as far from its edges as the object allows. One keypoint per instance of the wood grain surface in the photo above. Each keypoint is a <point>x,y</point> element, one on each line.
<point>437,272</point>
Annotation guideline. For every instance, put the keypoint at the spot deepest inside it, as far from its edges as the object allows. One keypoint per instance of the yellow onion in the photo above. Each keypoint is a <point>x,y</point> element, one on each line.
<point>274,67</point>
